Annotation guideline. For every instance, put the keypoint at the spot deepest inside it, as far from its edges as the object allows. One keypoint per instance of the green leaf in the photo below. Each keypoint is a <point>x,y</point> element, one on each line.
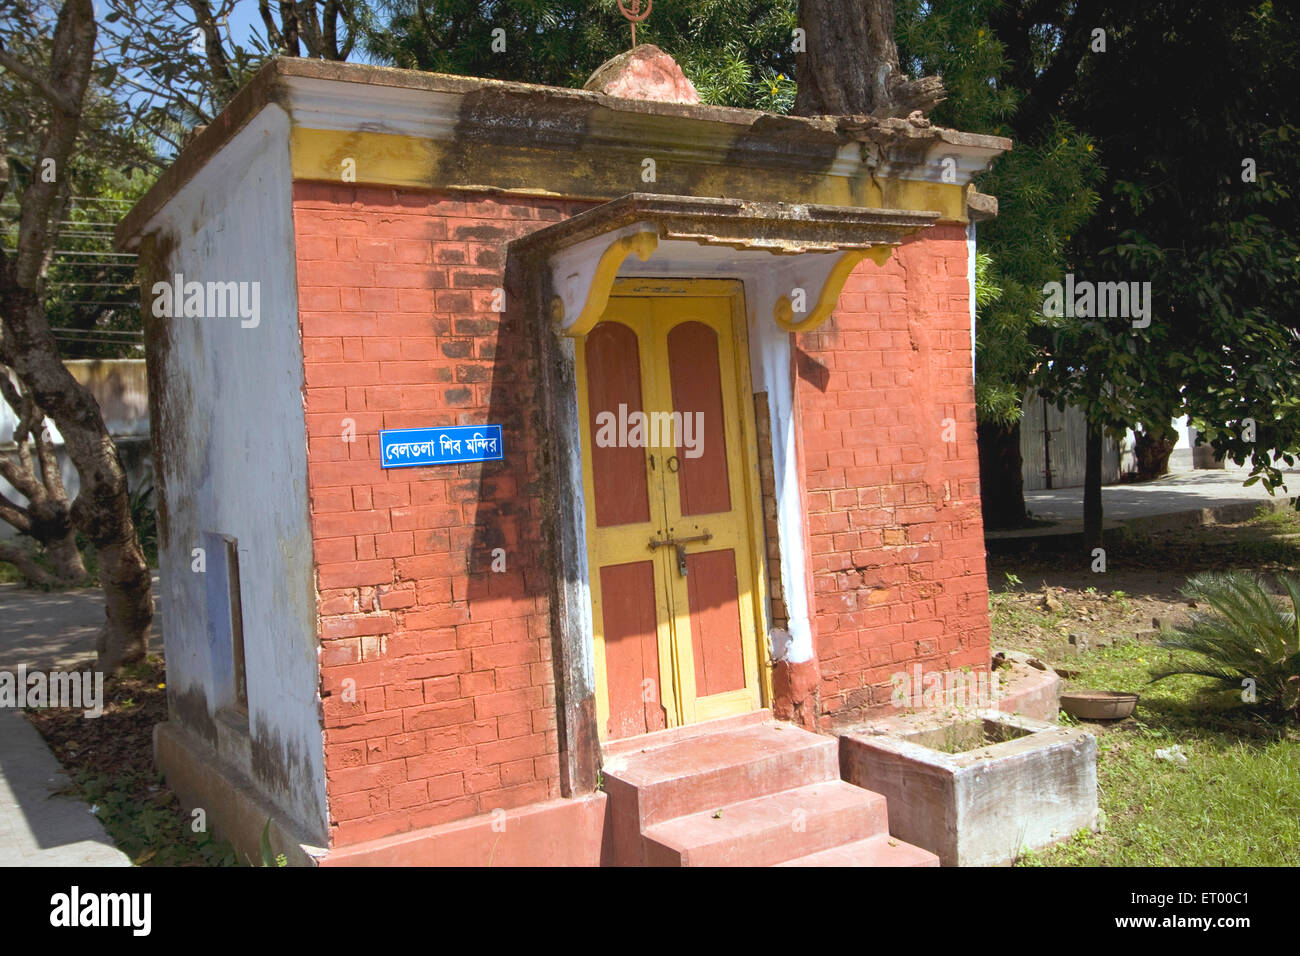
<point>268,855</point>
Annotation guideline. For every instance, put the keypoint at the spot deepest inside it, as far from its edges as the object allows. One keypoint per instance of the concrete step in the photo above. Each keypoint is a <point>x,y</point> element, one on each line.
<point>769,829</point>
<point>663,738</point>
<point>705,772</point>
<point>680,772</point>
<point>879,850</point>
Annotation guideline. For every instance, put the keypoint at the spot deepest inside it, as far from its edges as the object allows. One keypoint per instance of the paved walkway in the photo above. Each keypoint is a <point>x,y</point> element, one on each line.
<point>38,825</point>
<point>1185,493</point>
<point>1178,492</point>
<point>48,629</point>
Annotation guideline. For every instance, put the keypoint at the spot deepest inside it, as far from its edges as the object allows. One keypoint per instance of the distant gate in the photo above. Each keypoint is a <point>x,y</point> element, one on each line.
<point>1054,443</point>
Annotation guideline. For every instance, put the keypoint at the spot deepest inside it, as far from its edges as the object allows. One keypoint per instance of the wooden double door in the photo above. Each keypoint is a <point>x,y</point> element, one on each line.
<point>672,508</point>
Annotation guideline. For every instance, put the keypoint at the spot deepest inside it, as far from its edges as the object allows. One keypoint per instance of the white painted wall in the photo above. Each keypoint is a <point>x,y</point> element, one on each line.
<point>235,464</point>
<point>769,367</point>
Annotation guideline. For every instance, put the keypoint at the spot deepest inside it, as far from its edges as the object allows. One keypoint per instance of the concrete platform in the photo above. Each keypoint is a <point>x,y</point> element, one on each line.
<point>1175,492</point>
<point>770,829</point>
<point>978,790</point>
<point>880,850</point>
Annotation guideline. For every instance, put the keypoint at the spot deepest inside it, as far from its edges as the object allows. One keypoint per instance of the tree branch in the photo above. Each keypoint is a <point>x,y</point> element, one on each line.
<point>21,475</point>
<point>58,98</point>
<point>329,30</point>
<point>213,52</point>
<point>273,35</point>
<point>289,24</point>
<point>309,27</point>
<point>15,514</point>
<point>26,565</point>
<point>72,55</point>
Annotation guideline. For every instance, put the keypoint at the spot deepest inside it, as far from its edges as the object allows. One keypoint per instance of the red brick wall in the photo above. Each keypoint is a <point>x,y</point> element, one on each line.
<point>897,542</point>
<point>454,712</point>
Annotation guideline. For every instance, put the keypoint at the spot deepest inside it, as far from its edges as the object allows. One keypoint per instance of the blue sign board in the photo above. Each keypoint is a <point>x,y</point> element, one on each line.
<point>409,447</point>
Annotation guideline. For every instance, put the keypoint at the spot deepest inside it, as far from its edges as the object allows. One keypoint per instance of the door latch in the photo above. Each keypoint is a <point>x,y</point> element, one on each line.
<point>680,545</point>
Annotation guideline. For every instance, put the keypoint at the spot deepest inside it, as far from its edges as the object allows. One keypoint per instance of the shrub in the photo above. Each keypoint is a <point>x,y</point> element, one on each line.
<point>1246,635</point>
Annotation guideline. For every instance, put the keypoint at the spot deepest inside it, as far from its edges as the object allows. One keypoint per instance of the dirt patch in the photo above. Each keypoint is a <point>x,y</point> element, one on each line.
<point>110,762</point>
<point>123,736</point>
<point>1053,604</point>
<point>1056,621</point>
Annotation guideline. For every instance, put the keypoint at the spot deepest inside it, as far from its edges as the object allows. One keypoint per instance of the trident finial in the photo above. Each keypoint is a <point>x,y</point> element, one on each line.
<point>635,15</point>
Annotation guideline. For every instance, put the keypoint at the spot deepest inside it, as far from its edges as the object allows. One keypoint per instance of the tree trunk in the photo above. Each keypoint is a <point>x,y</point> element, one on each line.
<point>849,64</point>
<point>1152,450</point>
<point>47,516</point>
<point>1002,482</point>
<point>66,557</point>
<point>102,509</point>
<point>1092,490</point>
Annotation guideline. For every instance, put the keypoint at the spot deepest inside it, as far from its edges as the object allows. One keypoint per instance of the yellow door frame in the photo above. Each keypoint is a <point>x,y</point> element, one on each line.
<point>618,544</point>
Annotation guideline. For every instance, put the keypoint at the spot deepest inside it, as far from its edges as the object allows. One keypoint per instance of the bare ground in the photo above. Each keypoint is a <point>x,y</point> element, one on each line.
<point>1040,598</point>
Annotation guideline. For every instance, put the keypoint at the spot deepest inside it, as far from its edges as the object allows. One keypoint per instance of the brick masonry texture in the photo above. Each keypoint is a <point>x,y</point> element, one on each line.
<point>454,710</point>
<point>897,541</point>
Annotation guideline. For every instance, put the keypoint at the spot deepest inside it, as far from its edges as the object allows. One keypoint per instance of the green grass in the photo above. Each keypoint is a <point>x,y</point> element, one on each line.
<point>1236,802</point>
<point>1008,614</point>
<point>146,823</point>
<point>1284,522</point>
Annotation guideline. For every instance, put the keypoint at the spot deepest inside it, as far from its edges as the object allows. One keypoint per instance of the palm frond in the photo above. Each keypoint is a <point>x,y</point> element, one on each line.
<point>1247,637</point>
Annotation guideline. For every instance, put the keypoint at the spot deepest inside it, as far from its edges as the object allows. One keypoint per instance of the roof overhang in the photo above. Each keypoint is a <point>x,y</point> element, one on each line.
<point>408,129</point>
<point>796,257</point>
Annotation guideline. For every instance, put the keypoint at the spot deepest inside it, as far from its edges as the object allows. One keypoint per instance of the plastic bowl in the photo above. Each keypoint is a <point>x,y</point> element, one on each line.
<point>1099,704</point>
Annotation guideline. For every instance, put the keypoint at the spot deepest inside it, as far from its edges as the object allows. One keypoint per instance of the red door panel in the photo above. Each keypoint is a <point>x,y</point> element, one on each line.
<point>697,387</point>
<point>631,649</point>
<point>613,379</point>
<point>715,622</point>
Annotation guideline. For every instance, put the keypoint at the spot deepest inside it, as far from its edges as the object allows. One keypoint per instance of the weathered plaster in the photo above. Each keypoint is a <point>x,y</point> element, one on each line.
<point>770,364</point>
<point>231,454</point>
<point>407,128</point>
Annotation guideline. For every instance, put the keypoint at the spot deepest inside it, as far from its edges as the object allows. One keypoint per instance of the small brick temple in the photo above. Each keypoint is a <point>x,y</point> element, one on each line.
<point>510,439</point>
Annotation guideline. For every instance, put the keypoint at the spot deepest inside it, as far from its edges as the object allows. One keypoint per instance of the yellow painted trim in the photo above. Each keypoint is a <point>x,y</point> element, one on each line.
<point>602,281</point>
<point>829,297</point>
<point>377,158</point>
<point>753,494</point>
<point>739,530</point>
<point>593,173</point>
<point>621,544</point>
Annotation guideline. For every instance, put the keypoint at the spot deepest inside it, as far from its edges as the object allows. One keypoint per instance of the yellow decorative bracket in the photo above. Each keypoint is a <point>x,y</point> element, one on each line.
<point>602,281</point>
<point>783,311</point>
